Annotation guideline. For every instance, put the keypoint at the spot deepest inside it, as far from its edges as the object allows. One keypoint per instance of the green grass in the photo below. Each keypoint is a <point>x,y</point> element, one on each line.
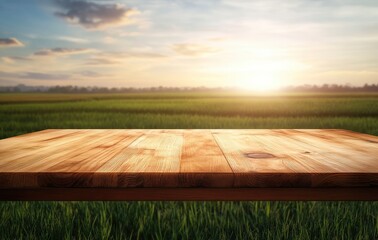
<point>22,113</point>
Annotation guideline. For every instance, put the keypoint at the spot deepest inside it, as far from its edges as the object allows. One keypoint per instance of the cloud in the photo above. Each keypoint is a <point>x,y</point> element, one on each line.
<point>62,51</point>
<point>189,49</point>
<point>48,76</point>
<point>101,61</point>
<point>109,58</point>
<point>72,39</point>
<point>109,40</point>
<point>89,74</point>
<point>12,59</point>
<point>43,76</point>
<point>34,75</point>
<point>149,55</point>
<point>91,15</point>
<point>10,42</point>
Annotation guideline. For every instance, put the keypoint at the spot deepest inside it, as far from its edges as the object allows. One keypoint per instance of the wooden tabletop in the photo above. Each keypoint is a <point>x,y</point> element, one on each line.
<point>82,162</point>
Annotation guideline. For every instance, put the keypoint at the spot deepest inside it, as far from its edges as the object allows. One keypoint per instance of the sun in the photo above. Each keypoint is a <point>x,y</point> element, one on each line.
<point>265,73</point>
<point>262,82</point>
<point>261,77</point>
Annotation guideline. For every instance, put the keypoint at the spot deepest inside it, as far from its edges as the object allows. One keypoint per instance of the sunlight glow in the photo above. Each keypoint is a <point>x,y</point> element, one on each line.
<point>262,81</point>
<point>262,76</point>
<point>266,75</point>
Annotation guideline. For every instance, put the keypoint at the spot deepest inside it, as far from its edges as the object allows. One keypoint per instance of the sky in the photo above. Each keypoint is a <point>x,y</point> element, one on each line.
<point>189,43</point>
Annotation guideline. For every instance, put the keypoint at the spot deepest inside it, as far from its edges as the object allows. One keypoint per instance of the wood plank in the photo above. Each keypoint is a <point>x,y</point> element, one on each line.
<point>79,170</point>
<point>95,152</point>
<point>322,171</point>
<point>48,134</point>
<point>302,153</point>
<point>295,160</point>
<point>190,194</point>
<point>19,146</point>
<point>336,151</point>
<point>268,169</point>
<point>353,140</point>
<point>193,159</point>
<point>150,161</point>
<point>350,134</point>
<point>49,152</point>
<point>202,161</point>
<point>69,161</point>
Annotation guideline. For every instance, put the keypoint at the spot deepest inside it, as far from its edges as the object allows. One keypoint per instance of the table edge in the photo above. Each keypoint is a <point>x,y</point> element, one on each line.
<point>190,194</point>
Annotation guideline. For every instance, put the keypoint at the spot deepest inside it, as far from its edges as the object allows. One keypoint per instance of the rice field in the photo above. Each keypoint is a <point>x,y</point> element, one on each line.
<point>23,113</point>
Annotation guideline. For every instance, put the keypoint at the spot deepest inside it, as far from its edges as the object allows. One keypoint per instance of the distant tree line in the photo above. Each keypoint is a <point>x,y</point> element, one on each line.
<point>332,88</point>
<point>77,89</point>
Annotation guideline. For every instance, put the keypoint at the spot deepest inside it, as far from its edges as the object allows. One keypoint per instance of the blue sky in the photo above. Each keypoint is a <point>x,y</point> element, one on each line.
<point>242,43</point>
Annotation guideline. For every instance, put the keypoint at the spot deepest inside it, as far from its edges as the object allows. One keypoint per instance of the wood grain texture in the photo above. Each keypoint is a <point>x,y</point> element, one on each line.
<point>202,162</point>
<point>276,169</point>
<point>184,159</point>
<point>152,160</point>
